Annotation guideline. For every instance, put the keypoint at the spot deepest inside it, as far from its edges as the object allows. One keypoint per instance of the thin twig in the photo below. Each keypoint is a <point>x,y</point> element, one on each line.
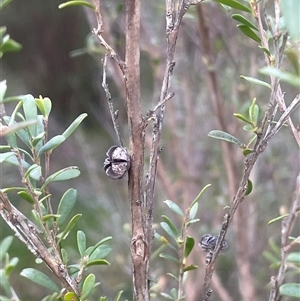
<point>98,32</point>
<point>114,116</point>
<point>286,229</point>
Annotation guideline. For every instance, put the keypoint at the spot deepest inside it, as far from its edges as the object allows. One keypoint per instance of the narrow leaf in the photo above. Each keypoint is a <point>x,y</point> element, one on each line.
<point>4,245</point>
<point>168,257</point>
<point>249,33</point>
<point>76,2</point>
<point>249,187</point>
<point>193,211</point>
<point>74,125</point>
<point>242,117</point>
<point>224,136</point>
<point>190,268</point>
<point>62,175</point>
<point>69,227</point>
<point>100,253</point>
<point>244,21</point>
<point>284,76</point>
<point>277,219</point>
<point>40,278</point>
<point>30,111</point>
<point>88,286</point>
<point>171,225</point>
<point>81,242</point>
<point>236,5</point>
<point>174,207</point>
<point>256,81</point>
<point>294,257</point>
<point>26,196</point>
<point>118,296</point>
<point>66,205</point>
<point>97,262</point>
<point>52,144</point>
<point>199,195</point>
<point>169,230</point>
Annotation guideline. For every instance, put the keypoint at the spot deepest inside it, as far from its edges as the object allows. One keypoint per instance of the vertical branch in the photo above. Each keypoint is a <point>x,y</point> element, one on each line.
<point>140,258</point>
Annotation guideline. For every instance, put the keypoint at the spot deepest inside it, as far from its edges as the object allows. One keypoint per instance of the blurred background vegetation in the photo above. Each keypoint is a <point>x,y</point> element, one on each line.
<point>61,59</point>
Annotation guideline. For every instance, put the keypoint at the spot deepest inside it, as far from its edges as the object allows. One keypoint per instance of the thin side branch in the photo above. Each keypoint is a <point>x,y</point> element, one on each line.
<point>113,113</point>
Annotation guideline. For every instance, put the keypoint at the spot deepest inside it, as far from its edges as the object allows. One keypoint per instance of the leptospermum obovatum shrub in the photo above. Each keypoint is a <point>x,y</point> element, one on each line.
<point>29,149</point>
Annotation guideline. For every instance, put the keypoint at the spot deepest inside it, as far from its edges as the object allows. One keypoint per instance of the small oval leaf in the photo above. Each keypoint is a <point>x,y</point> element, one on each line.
<point>256,81</point>
<point>189,245</point>
<point>74,125</point>
<point>290,289</point>
<point>249,187</point>
<point>81,242</point>
<point>88,286</point>
<point>66,205</point>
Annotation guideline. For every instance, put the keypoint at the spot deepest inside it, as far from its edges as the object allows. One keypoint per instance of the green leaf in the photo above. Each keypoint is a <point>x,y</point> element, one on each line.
<point>199,195</point>
<point>64,256</point>
<point>294,257</point>
<point>49,216</point>
<point>172,226</point>
<point>174,293</point>
<point>189,245</point>
<point>10,46</point>
<point>34,171</point>
<point>190,268</point>
<point>167,296</point>
<point>193,211</point>
<point>4,245</point>
<point>256,81</point>
<point>99,253</point>
<point>97,262</point>
<point>249,33</point>
<point>62,175</point>
<point>66,205</point>
<point>69,227</point>
<point>224,136</point>
<point>74,125</point>
<point>242,117</point>
<point>91,250</point>
<point>30,111</point>
<point>247,151</point>
<point>12,159</point>
<point>77,2</point>
<point>44,105</point>
<point>277,219</point>
<point>290,289</point>
<point>26,196</point>
<point>88,286</point>
<point>70,296</point>
<point>249,187</point>
<point>52,144</point>
<point>244,21</point>
<point>4,3</point>
<point>81,242</point>
<point>253,112</point>
<point>290,10</point>
<point>284,76</point>
<point>118,296</point>
<point>168,257</point>
<point>169,230</point>
<point>38,138</point>
<point>174,207</point>
<point>4,282</point>
<point>40,278</point>
<point>3,88</point>
<point>236,5</point>
<point>293,56</point>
